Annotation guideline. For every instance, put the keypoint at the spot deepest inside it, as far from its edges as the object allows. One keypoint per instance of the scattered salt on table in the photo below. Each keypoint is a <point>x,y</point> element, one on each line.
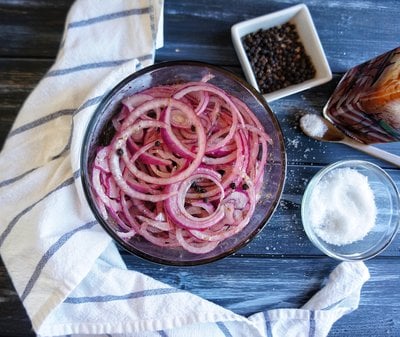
<point>342,207</point>
<point>313,124</point>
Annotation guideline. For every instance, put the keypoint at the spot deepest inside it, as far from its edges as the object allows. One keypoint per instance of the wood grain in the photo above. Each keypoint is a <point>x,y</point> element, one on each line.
<point>31,28</point>
<point>344,28</point>
<point>34,28</point>
<point>13,318</point>
<point>17,80</point>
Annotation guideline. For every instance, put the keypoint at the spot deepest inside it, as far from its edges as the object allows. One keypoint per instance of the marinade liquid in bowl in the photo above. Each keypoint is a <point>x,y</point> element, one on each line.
<point>183,163</point>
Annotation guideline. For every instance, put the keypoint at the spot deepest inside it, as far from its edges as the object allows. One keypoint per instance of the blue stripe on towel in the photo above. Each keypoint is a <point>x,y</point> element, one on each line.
<point>162,333</point>
<point>13,180</point>
<point>46,119</point>
<point>145,57</point>
<point>54,115</point>
<point>15,220</point>
<point>129,296</point>
<point>152,24</point>
<point>224,329</point>
<point>86,66</point>
<point>88,103</point>
<point>94,65</point>
<point>268,324</point>
<point>107,17</point>
<point>40,121</point>
<point>49,253</point>
<point>312,324</point>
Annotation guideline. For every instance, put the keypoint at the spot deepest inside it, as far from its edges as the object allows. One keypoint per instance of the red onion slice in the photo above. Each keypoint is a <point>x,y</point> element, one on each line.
<point>184,168</point>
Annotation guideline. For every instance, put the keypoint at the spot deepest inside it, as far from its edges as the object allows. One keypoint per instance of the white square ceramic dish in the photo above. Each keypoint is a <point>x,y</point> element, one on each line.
<point>300,16</point>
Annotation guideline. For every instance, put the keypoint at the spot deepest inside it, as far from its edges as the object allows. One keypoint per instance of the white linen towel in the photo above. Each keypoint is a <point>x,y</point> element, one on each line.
<point>65,268</point>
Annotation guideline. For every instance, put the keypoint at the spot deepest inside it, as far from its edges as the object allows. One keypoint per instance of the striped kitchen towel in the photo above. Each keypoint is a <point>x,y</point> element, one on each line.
<point>65,268</point>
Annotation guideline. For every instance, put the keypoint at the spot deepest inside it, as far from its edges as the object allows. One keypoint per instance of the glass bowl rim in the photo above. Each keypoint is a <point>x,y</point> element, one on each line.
<point>84,163</point>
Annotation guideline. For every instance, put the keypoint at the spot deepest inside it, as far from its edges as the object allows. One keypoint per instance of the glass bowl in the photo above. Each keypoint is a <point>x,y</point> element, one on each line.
<point>386,199</point>
<point>169,73</point>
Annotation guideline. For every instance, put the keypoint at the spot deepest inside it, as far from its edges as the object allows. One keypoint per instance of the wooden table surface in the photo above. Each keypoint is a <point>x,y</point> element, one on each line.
<point>280,267</point>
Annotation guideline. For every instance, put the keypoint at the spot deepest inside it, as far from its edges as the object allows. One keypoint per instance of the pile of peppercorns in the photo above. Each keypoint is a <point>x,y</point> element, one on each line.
<point>278,58</point>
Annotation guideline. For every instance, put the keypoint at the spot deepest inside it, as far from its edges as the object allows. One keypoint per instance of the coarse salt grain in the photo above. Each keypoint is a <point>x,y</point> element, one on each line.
<point>342,207</point>
<point>313,125</point>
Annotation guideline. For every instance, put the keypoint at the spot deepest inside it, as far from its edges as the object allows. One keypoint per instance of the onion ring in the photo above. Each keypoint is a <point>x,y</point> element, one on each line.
<point>184,169</point>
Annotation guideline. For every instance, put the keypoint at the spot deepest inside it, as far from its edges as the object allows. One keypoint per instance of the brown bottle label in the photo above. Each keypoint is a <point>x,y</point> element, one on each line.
<point>366,102</point>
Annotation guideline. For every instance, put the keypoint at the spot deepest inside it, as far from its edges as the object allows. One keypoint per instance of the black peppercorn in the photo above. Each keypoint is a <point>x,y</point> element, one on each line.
<point>278,57</point>
<point>152,114</point>
<point>221,172</point>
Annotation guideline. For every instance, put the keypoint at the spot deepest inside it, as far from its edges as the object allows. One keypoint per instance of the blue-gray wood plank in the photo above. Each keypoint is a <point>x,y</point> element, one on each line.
<point>280,267</point>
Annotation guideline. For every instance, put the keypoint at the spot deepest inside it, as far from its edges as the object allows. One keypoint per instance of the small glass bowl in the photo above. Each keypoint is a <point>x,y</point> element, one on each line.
<point>387,218</point>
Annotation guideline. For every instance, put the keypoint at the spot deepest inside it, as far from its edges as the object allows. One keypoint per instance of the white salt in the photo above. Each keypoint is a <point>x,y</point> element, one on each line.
<point>294,142</point>
<point>313,125</point>
<point>342,207</point>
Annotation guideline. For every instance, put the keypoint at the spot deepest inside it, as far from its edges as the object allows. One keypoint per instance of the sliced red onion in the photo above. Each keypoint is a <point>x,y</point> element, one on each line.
<point>199,247</point>
<point>133,101</point>
<point>184,168</point>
